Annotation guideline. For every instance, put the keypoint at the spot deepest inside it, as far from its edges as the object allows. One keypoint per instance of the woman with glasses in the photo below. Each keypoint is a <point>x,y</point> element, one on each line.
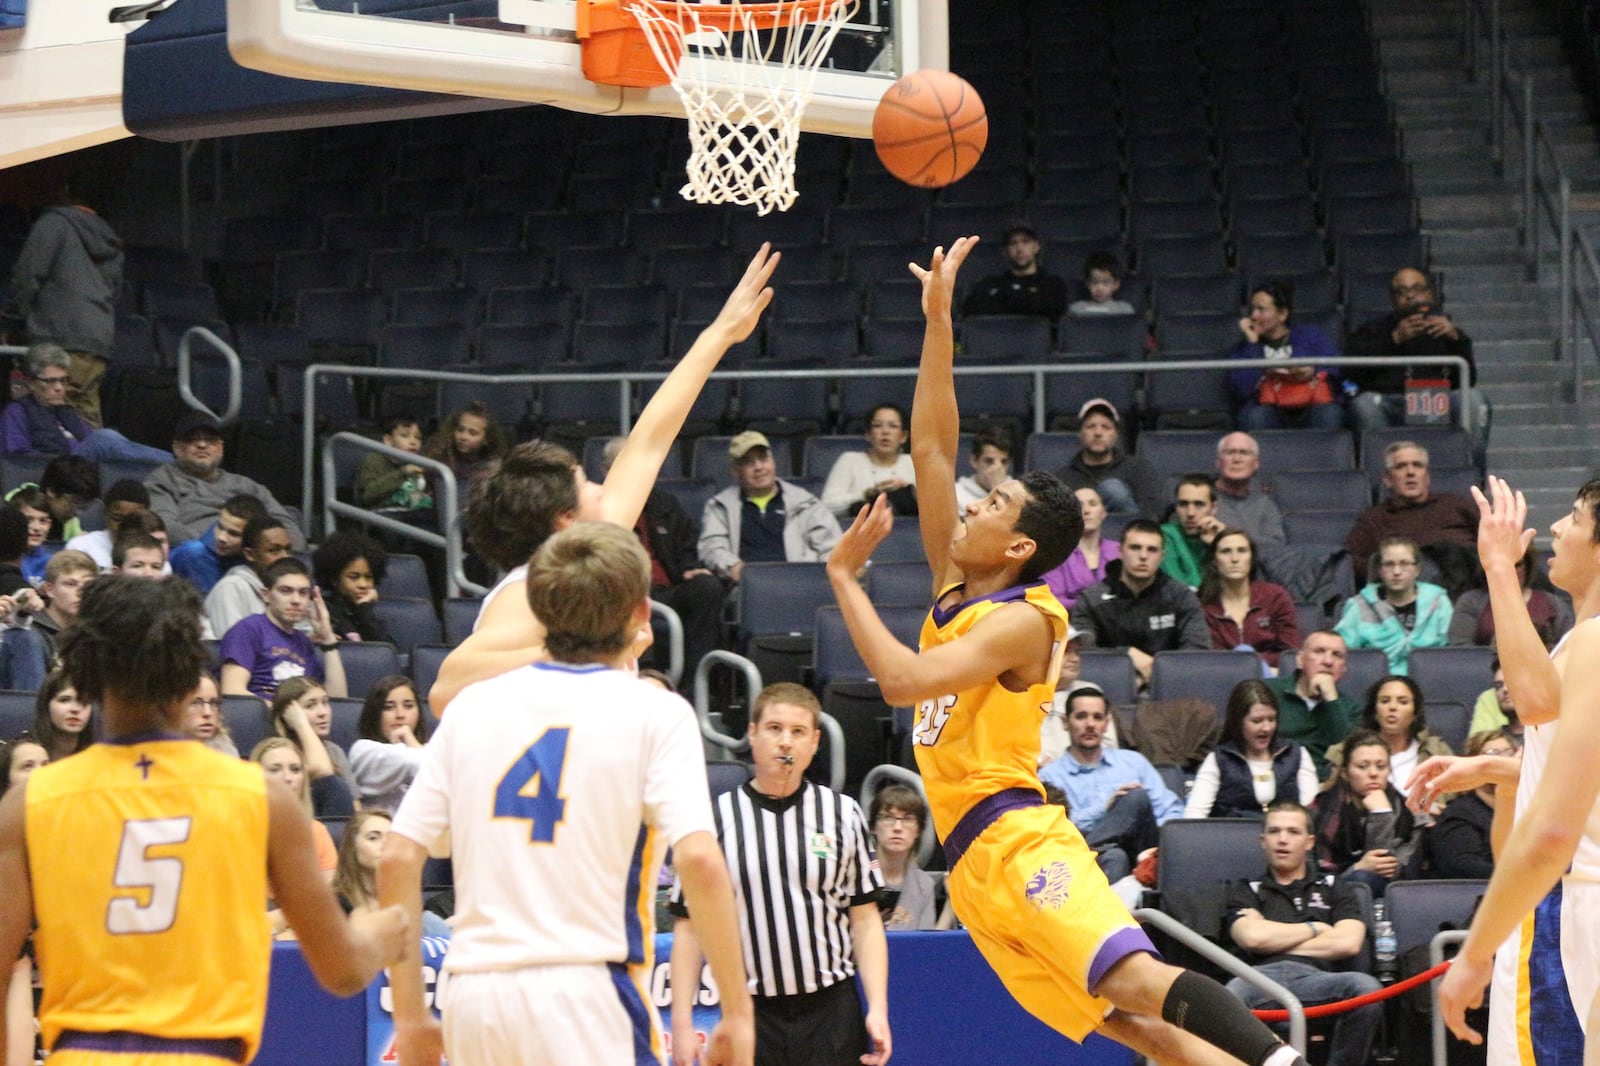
<point>202,718</point>
<point>1397,613</point>
<point>898,815</point>
<point>41,422</point>
<point>1458,845</point>
<point>858,477</point>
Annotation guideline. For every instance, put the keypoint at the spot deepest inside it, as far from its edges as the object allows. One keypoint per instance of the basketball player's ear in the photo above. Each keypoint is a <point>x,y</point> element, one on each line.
<point>1021,549</point>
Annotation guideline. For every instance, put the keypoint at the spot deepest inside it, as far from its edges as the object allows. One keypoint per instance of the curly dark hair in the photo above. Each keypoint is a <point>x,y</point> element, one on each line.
<point>339,550</point>
<point>137,639</point>
<point>1053,516</point>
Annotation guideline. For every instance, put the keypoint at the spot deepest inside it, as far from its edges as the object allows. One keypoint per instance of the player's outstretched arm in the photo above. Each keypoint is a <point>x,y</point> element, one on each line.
<point>636,467</point>
<point>935,416</point>
<point>16,908</point>
<point>1544,837</point>
<point>1441,774</point>
<point>418,1040</point>
<point>1503,539</point>
<point>872,963</point>
<point>708,892</point>
<point>344,956</point>
<point>1015,636</point>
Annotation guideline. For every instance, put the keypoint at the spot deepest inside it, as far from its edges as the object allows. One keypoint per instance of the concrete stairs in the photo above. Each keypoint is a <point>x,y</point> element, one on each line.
<point>1471,213</point>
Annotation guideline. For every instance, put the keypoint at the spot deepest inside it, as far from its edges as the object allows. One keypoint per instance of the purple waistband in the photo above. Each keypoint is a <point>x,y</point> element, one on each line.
<point>982,815</point>
<point>142,1043</point>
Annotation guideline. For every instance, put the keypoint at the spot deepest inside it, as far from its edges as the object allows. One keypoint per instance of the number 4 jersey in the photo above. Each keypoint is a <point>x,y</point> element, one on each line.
<point>148,860</point>
<point>560,788</point>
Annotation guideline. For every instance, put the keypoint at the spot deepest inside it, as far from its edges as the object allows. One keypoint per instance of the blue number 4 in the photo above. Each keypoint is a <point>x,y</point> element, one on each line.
<point>540,766</point>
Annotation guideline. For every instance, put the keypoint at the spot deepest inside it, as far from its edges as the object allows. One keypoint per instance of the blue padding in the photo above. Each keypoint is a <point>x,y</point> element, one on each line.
<point>13,14</point>
<point>180,83</point>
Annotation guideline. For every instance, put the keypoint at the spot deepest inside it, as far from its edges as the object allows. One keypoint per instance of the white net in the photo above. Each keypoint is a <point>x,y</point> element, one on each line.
<point>743,89</point>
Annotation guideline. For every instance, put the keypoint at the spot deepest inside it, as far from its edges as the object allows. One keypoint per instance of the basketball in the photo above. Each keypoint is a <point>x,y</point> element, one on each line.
<point>930,128</point>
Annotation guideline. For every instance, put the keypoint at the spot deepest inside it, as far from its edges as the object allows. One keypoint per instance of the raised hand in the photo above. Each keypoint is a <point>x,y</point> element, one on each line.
<point>1503,532</point>
<point>939,278</point>
<point>739,315</point>
<point>871,526</point>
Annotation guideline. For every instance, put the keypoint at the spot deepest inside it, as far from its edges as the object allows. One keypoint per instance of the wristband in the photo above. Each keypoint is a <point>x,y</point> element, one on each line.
<point>332,645</point>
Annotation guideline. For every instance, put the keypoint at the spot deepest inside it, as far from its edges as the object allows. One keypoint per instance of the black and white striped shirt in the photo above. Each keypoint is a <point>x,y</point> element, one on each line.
<point>798,864</point>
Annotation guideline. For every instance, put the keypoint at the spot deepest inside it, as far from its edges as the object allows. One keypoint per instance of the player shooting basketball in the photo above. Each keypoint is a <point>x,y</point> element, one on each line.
<point>1021,877</point>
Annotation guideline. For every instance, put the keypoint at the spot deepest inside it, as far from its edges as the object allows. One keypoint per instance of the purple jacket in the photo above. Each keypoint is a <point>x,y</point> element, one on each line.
<point>1305,341</point>
<point>28,427</point>
<point>1074,575</point>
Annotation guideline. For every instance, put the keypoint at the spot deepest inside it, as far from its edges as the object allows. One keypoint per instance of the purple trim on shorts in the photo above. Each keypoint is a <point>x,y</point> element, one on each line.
<point>1118,946</point>
<point>983,814</point>
<point>122,1042</point>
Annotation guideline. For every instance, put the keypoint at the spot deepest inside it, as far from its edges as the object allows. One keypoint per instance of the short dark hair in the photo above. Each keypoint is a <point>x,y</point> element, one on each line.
<point>1197,480</point>
<point>132,539</point>
<point>127,491</point>
<point>340,549</point>
<point>71,475</point>
<point>786,692</point>
<point>895,796</point>
<point>991,438</point>
<point>399,419</point>
<point>1279,806</point>
<point>13,534</point>
<point>137,639</point>
<point>244,506</point>
<point>1052,516</point>
<point>1589,497</point>
<point>1085,691</point>
<point>370,725</point>
<point>515,508</point>
<point>887,405</point>
<point>1140,525</point>
<point>255,527</point>
<point>283,567</point>
<point>1279,290</point>
<point>1102,261</point>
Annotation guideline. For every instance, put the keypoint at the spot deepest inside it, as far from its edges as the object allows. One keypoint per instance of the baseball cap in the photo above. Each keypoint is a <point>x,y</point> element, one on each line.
<point>1073,633</point>
<point>1100,403</point>
<point>1022,228</point>
<point>194,422</point>
<point>739,446</point>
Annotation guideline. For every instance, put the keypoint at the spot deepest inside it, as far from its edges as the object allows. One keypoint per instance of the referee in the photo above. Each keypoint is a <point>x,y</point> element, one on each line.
<point>806,884</point>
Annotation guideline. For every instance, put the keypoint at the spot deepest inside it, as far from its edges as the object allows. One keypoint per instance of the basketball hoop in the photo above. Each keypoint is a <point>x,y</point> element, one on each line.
<point>743,71</point>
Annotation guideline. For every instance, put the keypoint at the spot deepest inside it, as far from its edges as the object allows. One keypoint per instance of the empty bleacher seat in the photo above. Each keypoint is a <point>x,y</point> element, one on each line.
<point>1208,675</point>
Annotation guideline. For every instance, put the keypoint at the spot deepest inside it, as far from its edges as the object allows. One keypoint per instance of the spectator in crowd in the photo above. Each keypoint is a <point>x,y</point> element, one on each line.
<point>1459,845</point>
<point>1241,610</point>
<point>237,594</point>
<point>1397,613</point>
<point>897,814</point>
<point>203,719</point>
<point>24,654</point>
<point>138,554</point>
<point>301,712</point>
<point>1311,710</point>
<point>1412,510</point>
<point>1300,397</point>
<point>1139,608</point>
<point>262,651</point>
<point>1023,289</point>
<point>991,465</point>
<point>468,441</point>
<point>1187,540</point>
<point>1472,620</point>
<point>1415,326</point>
<point>1126,483</point>
<point>387,485</point>
<point>1296,924</point>
<point>189,492</point>
<point>122,499</point>
<point>42,422</point>
<point>62,722</point>
<point>355,877</point>
<point>65,577</point>
<point>1494,709</point>
<point>1394,712</point>
<point>1088,561</point>
<point>71,486</point>
<point>64,286</point>
<point>1364,831</point>
<point>281,760</point>
<point>1252,767</point>
<point>677,579</point>
<point>388,748</point>
<point>762,519</point>
<point>348,566</point>
<point>857,478</point>
<point>30,501</point>
<point>1241,504</point>
<point>1053,734</point>
<point>1102,277</point>
<point>13,546</point>
<point>18,759</point>
<point>204,560</point>
<point>1115,797</point>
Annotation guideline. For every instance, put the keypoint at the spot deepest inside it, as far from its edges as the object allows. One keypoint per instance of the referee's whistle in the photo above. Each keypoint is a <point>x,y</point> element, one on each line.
<point>787,760</point>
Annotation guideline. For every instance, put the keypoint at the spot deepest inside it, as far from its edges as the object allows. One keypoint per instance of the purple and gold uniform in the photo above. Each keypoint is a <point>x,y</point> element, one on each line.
<point>148,860</point>
<point>1021,878</point>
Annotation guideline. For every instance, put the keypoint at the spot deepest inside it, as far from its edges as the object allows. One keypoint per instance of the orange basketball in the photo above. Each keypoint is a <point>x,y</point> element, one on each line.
<point>930,128</point>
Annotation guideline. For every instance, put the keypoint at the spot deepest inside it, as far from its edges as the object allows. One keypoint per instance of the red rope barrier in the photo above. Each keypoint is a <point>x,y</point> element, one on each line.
<point>1325,1009</point>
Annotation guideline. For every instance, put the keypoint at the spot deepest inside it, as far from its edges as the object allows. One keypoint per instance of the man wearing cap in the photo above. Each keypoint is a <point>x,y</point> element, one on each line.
<point>188,493</point>
<point>762,519</point>
<point>1126,483</point>
<point>1022,290</point>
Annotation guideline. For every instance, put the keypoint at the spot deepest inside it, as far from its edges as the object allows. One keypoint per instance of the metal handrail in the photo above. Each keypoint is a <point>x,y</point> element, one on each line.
<point>1436,946</point>
<point>447,508</point>
<point>674,624</point>
<point>1039,371</point>
<point>186,369</point>
<point>1236,967</point>
<point>702,696</point>
<point>911,779</point>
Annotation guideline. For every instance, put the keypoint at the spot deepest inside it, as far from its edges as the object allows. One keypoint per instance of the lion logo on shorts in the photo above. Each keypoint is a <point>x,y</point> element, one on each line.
<point>1048,887</point>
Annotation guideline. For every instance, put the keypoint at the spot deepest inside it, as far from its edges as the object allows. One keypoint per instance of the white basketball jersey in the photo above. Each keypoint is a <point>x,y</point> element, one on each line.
<point>515,574</point>
<point>561,788</point>
<point>1586,860</point>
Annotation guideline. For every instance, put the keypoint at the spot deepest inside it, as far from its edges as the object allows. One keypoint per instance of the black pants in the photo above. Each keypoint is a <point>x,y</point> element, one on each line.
<point>825,1028</point>
<point>698,602</point>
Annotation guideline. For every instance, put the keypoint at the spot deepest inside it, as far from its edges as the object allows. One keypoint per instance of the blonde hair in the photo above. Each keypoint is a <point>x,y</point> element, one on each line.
<point>260,751</point>
<point>584,584</point>
<point>787,692</point>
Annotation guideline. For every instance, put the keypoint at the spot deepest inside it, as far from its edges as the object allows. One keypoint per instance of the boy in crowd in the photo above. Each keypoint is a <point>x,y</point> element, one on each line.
<point>237,594</point>
<point>203,560</point>
<point>991,464</point>
<point>1102,276</point>
<point>138,554</point>
<point>385,484</point>
<point>262,651</point>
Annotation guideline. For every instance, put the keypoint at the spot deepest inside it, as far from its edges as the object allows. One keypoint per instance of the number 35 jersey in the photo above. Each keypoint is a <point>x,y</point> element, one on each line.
<point>148,860</point>
<point>560,788</point>
<point>984,740</point>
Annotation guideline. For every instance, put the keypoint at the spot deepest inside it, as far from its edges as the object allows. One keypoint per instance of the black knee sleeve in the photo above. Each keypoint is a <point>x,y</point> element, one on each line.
<point>1209,1011</point>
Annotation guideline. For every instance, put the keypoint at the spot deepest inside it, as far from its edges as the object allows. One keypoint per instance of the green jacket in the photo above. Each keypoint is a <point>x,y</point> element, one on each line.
<point>1184,555</point>
<point>1315,728</point>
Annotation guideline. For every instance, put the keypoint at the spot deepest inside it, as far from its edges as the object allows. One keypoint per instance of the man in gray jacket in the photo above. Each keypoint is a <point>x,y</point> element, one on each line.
<point>189,492</point>
<point>762,519</point>
<point>64,285</point>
